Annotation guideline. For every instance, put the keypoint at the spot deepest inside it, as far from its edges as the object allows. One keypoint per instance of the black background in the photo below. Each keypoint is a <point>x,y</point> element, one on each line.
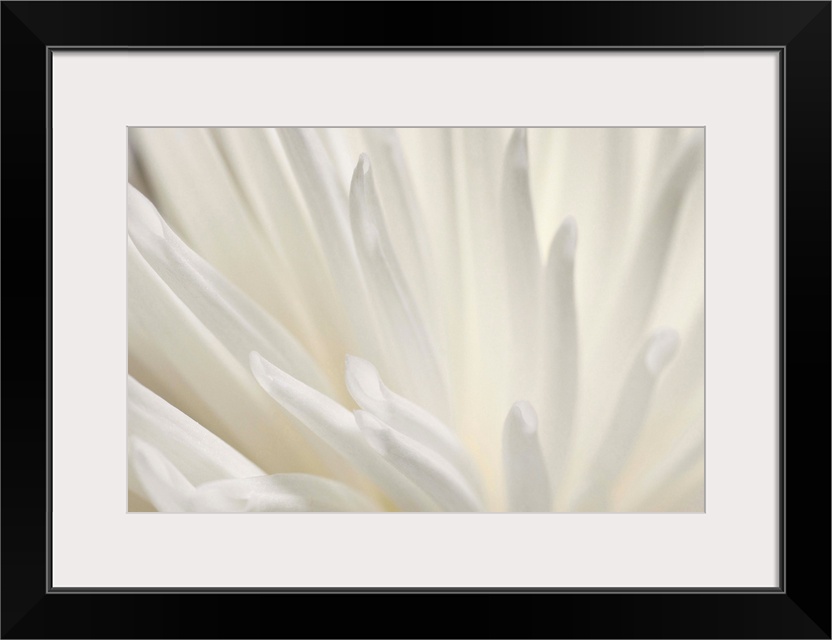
<point>800,609</point>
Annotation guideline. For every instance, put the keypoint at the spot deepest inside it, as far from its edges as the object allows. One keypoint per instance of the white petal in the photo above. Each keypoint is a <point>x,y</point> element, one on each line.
<point>681,390</point>
<point>403,214</point>
<point>628,418</point>
<point>135,173</point>
<point>687,452</point>
<point>560,352</point>
<point>238,322</point>
<point>371,394</point>
<point>336,426</point>
<point>491,357</point>
<point>262,172</point>
<point>339,151</point>
<point>427,470</point>
<point>156,478</point>
<point>641,278</point>
<point>523,267</point>
<point>613,329</point>
<point>198,454</point>
<point>327,204</point>
<point>282,492</point>
<point>519,222</point>
<point>325,198</point>
<point>175,355</point>
<point>527,482</point>
<point>479,330</point>
<point>198,197</point>
<point>400,314</point>
<point>430,158</point>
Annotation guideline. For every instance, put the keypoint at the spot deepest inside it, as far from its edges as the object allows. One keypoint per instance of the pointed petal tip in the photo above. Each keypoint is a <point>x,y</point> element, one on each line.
<point>364,230</point>
<point>359,176</point>
<point>565,242</point>
<point>522,417</point>
<point>661,347</point>
<point>265,372</point>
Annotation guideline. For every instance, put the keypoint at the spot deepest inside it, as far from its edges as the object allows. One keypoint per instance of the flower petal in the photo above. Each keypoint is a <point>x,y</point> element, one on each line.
<point>399,312</point>
<point>426,469</point>
<point>336,426</point>
<point>527,482</point>
<point>521,244</point>
<point>639,281</point>
<point>403,215</point>
<point>628,417</point>
<point>192,187</point>
<point>238,322</point>
<point>198,454</point>
<point>523,267</point>
<point>560,348</point>
<point>277,493</point>
<point>175,355</point>
<point>327,204</point>
<point>156,478</point>
<point>261,170</point>
<point>371,394</point>
<point>686,453</point>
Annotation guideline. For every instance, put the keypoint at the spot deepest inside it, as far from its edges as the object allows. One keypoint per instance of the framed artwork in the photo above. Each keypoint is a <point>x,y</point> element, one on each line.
<point>526,304</point>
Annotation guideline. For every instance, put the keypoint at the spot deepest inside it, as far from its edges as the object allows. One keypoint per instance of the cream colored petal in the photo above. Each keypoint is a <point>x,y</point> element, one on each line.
<point>198,454</point>
<point>403,213</point>
<point>237,322</point>
<point>426,469</point>
<point>262,173</point>
<point>628,418</point>
<point>416,363</point>
<point>522,273</point>
<point>156,479</point>
<point>527,481</point>
<point>371,394</point>
<point>173,353</point>
<point>336,426</point>
<point>198,197</point>
<point>326,201</point>
<point>278,493</point>
<point>559,341</point>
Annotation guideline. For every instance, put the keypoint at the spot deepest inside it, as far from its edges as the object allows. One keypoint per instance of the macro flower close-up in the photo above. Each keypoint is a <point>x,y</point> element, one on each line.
<point>449,319</point>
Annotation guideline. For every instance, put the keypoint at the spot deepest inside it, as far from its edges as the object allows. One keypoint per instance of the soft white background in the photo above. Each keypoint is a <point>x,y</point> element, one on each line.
<point>96,96</point>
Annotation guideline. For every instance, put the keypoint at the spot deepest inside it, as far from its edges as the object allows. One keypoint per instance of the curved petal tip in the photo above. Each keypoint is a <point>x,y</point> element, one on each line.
<point>523,418</point>
<point>363,380</point>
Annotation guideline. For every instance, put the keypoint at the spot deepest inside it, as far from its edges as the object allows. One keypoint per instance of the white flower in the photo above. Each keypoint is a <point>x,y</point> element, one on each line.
<point>421,319</point>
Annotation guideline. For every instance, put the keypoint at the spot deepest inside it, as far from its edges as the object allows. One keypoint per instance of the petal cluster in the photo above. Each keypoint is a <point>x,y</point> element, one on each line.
<point>416,320</point>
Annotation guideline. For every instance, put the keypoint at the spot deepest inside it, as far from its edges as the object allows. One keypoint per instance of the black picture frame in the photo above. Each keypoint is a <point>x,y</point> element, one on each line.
<point>798,608</point>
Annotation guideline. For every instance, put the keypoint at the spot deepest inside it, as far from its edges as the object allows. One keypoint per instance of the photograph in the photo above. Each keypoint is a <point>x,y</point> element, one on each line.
<point>493,320</point>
